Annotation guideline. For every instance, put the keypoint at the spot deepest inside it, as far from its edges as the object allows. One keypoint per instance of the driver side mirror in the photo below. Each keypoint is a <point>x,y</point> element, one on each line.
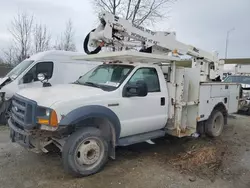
<point>138,89</point>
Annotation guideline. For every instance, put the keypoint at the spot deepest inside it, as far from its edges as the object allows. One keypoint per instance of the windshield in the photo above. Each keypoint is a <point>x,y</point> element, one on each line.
<point>238,79</point>
<point>17,70</point>
<point>106,77</point>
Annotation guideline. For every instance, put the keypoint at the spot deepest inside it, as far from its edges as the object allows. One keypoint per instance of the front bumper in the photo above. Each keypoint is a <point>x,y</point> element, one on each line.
<point>32,142</point>
<point>20,136</point>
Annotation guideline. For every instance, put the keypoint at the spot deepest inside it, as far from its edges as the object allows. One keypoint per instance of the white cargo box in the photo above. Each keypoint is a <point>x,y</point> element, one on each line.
<point>214,93</point>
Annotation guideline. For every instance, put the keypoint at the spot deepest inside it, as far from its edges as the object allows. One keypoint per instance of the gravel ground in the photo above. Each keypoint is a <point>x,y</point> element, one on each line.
<point>170,163</point>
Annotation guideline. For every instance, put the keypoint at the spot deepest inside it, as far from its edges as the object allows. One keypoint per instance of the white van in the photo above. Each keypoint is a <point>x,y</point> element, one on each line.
<point>58,66</point>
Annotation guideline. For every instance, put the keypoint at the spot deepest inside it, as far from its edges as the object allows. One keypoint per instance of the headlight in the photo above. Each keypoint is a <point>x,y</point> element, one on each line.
<point>47,116</point>
<point>47,112</point>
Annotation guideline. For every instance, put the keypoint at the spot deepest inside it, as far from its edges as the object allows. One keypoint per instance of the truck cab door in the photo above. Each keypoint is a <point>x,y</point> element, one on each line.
<point>144,114</point>
<point>30,80</point>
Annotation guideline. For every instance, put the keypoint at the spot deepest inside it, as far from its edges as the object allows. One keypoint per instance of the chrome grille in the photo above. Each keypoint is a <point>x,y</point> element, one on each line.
<point>23,112</point>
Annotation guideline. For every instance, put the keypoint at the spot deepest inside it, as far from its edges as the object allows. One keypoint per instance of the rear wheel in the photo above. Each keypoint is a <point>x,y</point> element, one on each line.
<point>85,152</point>
<point>215,124</point>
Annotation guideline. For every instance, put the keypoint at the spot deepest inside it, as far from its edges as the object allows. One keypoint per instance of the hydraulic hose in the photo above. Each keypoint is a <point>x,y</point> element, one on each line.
<point>85,45</point>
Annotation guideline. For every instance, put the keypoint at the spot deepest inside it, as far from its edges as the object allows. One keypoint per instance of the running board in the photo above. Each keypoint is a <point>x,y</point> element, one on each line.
<point>140,138</point>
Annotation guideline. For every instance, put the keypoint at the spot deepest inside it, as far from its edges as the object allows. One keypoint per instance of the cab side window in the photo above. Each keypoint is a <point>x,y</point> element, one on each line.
<point>43,67</point>
<point>150,76</point>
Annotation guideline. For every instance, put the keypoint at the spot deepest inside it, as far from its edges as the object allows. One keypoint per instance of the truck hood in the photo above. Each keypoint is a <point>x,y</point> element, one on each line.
<point>2,80</point>
<point>48,96</point>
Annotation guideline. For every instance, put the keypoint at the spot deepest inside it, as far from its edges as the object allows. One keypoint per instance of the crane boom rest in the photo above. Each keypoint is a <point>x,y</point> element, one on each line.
<point>114,31</point>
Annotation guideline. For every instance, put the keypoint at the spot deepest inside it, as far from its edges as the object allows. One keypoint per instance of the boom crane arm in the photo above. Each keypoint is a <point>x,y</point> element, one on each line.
<point>114,31</point>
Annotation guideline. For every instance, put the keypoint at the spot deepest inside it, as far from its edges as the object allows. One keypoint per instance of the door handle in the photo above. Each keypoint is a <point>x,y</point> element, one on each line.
<point>162,101</point>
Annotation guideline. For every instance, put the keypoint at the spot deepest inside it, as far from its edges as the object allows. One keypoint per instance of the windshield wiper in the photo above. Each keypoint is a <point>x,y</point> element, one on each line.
<point>92,84</point>
<point>76,82</point>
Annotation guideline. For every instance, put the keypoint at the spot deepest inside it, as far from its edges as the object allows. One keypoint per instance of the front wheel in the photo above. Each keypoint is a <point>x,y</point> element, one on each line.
<point>5,112</point>
<point>85,152</point>
<point>4,116</point>
<point>215,124</point>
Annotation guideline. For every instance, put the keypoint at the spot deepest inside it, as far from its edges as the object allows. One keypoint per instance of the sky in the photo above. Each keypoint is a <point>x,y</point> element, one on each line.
<point>200,23</point>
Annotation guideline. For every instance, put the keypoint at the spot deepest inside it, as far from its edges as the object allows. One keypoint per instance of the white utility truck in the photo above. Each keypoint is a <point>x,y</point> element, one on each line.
<point>132,97</point>
<point>55,66</point>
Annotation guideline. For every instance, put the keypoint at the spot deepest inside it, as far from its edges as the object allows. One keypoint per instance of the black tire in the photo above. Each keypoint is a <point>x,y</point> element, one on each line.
<point>80,148</point>
<point>3,119</point>
<point>5,114</point>
<point>215,124</point>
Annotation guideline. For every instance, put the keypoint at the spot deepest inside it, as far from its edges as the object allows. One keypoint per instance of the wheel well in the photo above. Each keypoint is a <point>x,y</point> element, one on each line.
<point>106,127</point>
<point>221,107</point>
<point>103,124</point>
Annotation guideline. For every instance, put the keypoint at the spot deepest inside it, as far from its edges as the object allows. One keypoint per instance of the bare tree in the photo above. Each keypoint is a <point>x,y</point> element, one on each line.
<point>21,29</point>
<point>66,41</point>
<point>41,38</point>
<point>139,12</point>
<point>10,55</point>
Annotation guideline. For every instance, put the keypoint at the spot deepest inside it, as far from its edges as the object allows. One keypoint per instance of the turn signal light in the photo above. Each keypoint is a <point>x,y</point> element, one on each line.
<point>43,121</point>
<point>53,119</point>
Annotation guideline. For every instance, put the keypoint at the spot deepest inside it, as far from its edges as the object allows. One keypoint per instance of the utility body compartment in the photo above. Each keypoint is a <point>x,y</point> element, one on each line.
<point>193,101</point>
<point>213,93</point>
